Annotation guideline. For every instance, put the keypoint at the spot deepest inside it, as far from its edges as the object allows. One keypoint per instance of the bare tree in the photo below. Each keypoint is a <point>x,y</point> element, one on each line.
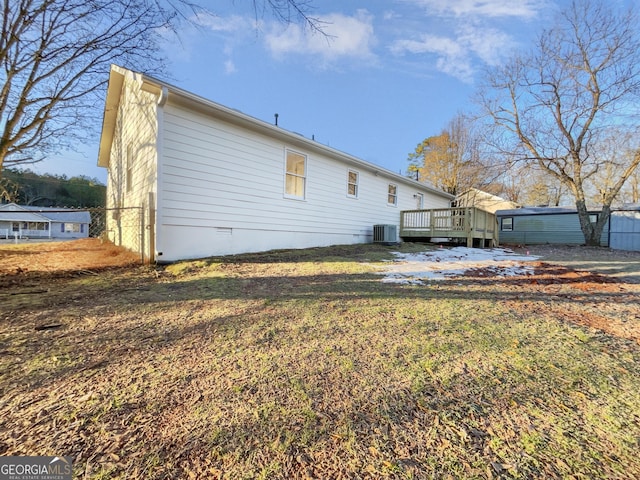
<point>8,191</point>
<point>553,106</point>
<point>619,147</point>
<point>56,54</point>
<point>450,160</point>
<point>634,188</point>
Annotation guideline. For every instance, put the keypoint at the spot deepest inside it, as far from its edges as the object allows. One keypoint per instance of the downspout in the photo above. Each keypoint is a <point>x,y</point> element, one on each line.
<point>155,206</point>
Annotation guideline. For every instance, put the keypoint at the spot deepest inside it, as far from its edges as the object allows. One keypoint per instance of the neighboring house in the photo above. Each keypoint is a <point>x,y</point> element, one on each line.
<point>42,222</point>
<point>483,200</point>
<point>624,232</point>
<point>214,181</point>
<point>540,225</point>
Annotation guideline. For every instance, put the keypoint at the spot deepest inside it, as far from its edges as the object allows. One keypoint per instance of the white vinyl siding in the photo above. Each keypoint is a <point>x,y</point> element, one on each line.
<point>129,169</point>
<point>132,164</point>
<point>133,152</point>
<point>222,192</point>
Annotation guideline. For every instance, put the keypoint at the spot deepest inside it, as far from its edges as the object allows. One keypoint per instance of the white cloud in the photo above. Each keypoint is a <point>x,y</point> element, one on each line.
<point>389,15</point>
<point>484,8</point>
<point>230,24</point>
<point>229,67</point>
<point>451,56</point>
<point>490,45</point>
<point>344,37</point>
<point>465,33</point>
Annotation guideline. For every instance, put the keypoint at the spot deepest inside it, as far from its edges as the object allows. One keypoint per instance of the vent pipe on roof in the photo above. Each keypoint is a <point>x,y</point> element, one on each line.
<point>276,115</point>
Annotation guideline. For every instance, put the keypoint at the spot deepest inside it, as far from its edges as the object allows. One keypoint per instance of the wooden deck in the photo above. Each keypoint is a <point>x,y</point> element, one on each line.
<point>470,223</point>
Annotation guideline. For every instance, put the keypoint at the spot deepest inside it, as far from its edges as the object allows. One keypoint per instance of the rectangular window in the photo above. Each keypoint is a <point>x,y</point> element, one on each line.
<point>352,183</point>
<point>506,224</point>
<point>129,171</point>
<point>37,226</point>
<point>392,194</point>
<point>71,227</point>
<point>296,175</point>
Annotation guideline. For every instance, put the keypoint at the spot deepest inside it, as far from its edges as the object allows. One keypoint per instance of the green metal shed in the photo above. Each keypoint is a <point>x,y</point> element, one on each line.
<point>542,225</point>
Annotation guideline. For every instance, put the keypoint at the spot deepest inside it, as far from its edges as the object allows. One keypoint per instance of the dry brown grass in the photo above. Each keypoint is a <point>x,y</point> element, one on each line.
<point>63,256</point>
<point>304,365</point>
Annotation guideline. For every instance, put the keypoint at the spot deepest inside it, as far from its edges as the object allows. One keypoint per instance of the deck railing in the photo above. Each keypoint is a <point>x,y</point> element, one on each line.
<point>462,222</point>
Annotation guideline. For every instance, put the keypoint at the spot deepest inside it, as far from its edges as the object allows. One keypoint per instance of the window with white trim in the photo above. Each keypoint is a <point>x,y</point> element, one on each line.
<point>71,227</point>
<point>352,183</point>
<point>296,175</point>
<point>506,224</point>
<point>392,194</point>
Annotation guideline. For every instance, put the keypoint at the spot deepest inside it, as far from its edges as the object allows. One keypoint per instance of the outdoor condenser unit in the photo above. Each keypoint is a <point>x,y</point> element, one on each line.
<point>385,234</point>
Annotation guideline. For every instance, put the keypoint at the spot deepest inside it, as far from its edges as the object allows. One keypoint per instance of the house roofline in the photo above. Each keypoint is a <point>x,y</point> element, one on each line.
<point>114,90</point>
<point>19,208</point>
<point>181,96</point>
<point>519,212</point>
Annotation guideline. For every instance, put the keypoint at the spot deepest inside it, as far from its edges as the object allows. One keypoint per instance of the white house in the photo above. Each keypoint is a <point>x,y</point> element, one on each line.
<point>215,181</point>
<point>42,222</point>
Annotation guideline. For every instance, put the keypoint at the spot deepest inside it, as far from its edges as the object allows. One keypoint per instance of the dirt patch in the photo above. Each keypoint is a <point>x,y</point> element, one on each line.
<point>604,303</point>
<point>59,257</point>
<point>620,264</point>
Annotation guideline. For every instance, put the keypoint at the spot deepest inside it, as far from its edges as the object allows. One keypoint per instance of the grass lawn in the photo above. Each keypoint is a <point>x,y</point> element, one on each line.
<point>303,364</point>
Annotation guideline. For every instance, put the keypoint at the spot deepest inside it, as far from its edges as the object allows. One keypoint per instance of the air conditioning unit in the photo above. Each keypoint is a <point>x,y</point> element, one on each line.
<point>385,234</point>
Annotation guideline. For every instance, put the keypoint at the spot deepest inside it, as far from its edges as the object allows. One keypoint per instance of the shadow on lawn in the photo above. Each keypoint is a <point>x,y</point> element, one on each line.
<point>350,286</point>
<point>121,336</point>
<point>120,294</point>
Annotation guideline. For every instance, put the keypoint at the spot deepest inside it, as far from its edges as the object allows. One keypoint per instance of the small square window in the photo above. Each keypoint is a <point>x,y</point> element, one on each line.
<point>392,194</point>
<point>506,224</point>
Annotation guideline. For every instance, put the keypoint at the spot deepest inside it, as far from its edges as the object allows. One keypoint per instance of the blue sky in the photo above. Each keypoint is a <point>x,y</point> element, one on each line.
<point>386,75</point>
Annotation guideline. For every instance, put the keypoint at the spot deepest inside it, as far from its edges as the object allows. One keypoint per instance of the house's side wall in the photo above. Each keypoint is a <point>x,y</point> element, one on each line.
<point>222,192</point>
<point>625,230</point>
<point>561,229</point>
<point>132,168</point>
<point>58,230</point>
